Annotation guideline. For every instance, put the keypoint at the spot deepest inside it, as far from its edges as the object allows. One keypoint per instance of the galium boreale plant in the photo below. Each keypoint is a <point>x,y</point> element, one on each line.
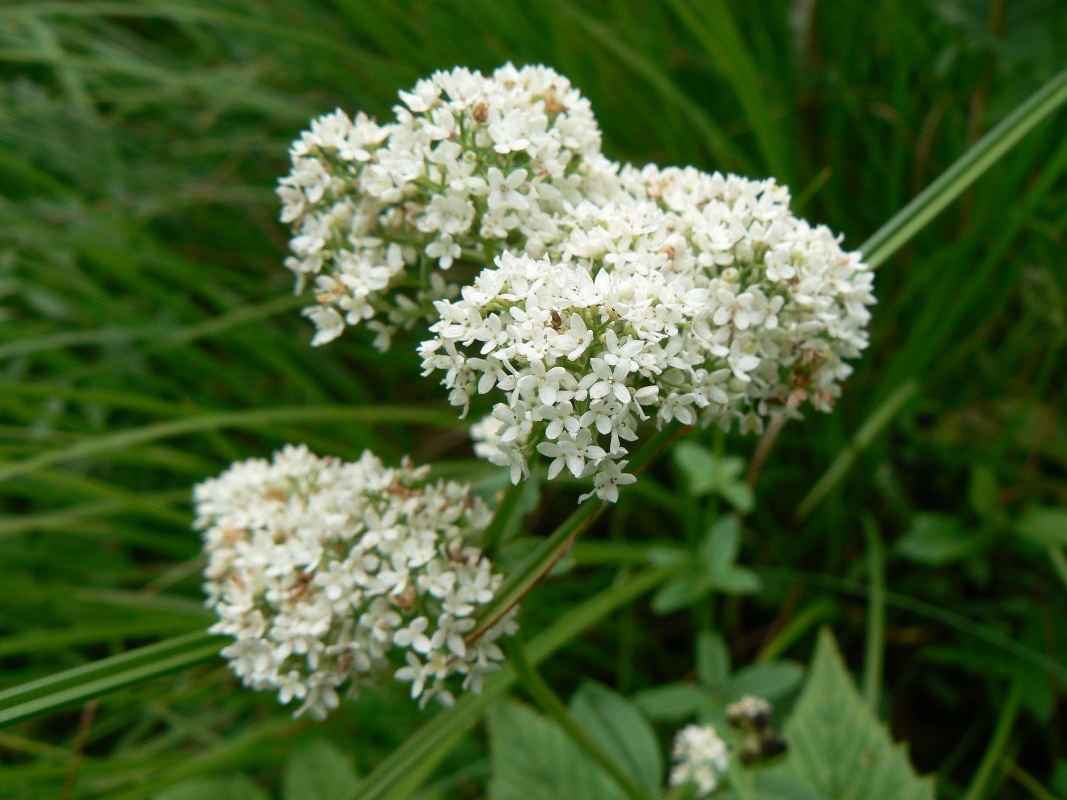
<point>589,312</point>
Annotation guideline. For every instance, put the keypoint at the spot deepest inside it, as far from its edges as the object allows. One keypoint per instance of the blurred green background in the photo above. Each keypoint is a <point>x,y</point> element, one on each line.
<point>148,337</point>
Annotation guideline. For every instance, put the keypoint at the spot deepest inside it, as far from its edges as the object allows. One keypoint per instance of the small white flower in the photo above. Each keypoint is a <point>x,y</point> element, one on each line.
<point>701,759</point>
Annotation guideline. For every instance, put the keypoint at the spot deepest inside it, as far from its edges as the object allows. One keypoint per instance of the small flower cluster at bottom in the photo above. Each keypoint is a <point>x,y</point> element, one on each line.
<point>332,576</point>
<point>701,759</point>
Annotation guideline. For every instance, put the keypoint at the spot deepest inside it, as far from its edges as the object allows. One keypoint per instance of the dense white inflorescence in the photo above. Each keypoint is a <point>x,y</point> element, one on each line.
<point>691,296</point>
<point>701,758</point>
<point>332,576</point>
<point>610,297</point>
<point>471,166</point>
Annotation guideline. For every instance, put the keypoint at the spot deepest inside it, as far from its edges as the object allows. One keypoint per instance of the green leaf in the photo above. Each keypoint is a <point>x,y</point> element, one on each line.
<point>532,759</point>
<point>713,660</point>
<point>680,592</point>
<point>671,702</point>
<point>739,495</point>
<point>622,730</point>
<point>838,747</point>
<point>703,471</point>
<point>237,787</point>
<point>76,685</point>
<point>697,465</point>
<point>966,170</point>
<point>663,556</point>
<point>718,550</point>
<point>318,770</point>
<point>937,539</point>
<point>1044,526</point>
<point>737,580</point>
<point>771,681</point>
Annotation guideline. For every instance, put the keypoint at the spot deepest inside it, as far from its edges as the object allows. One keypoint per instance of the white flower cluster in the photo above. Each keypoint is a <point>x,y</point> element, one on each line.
<point>701,758</point>
<point>610,296</point>
<point>333,576</point>
<point>749,710</point>
<point>691,296</point>
<point>471,166</point>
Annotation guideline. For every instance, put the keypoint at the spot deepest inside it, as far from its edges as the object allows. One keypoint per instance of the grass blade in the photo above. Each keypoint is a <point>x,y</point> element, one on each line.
<point>83,683</point>
<point>955,180</point>
<point>229,419</point>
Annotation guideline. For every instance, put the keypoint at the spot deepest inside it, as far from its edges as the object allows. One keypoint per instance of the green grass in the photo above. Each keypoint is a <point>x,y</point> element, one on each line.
<point>148,337</point>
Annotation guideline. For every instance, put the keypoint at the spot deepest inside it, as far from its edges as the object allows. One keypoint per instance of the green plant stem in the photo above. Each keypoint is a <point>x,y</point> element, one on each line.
<point>983,633</point>
<point>819,611</point>
<point>535,566</point>
<point>868,432</point>
<point>542,694</point>
<point>994,754</point>
<point>1028,781</point>
<point>538,563</point>
<point>501,516</point>
<point>874,657</point>
<point>966,170</point>
<point>404,770</point>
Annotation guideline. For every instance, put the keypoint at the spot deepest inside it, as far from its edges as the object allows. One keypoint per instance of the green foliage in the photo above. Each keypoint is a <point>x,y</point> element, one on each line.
<point>936,539</point>
<point>622,731</point>
<point>718,685</point>
<point>712,568</point>
<point>236,788</point>
<point>148,337</point>
<point>318,770</point>
<point>838,747</point>
<point>533,759</point>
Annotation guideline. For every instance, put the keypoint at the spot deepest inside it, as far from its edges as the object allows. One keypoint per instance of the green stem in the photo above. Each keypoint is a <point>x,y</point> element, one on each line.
<point>994,754</point>
<point>875,653</point>
<point>502,516</point>
<point>794,630</point>
<point>542,694</point>
<point>538,563</point>
<point>868,432</point>
<point>404,770</point>
<point>967,169</point>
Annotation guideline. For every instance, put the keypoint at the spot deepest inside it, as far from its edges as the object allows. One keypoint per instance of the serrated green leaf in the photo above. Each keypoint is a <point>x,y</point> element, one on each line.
<point>671,702</point>
<point>837,745</point>
<point>318,770</point>
<point>937,539</point>
<point>1044,526</point>
<point>621,729</point>
<point>532,759</point>
<point>237,787</point>
<point>771,681</point>
<point>713,660</point>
